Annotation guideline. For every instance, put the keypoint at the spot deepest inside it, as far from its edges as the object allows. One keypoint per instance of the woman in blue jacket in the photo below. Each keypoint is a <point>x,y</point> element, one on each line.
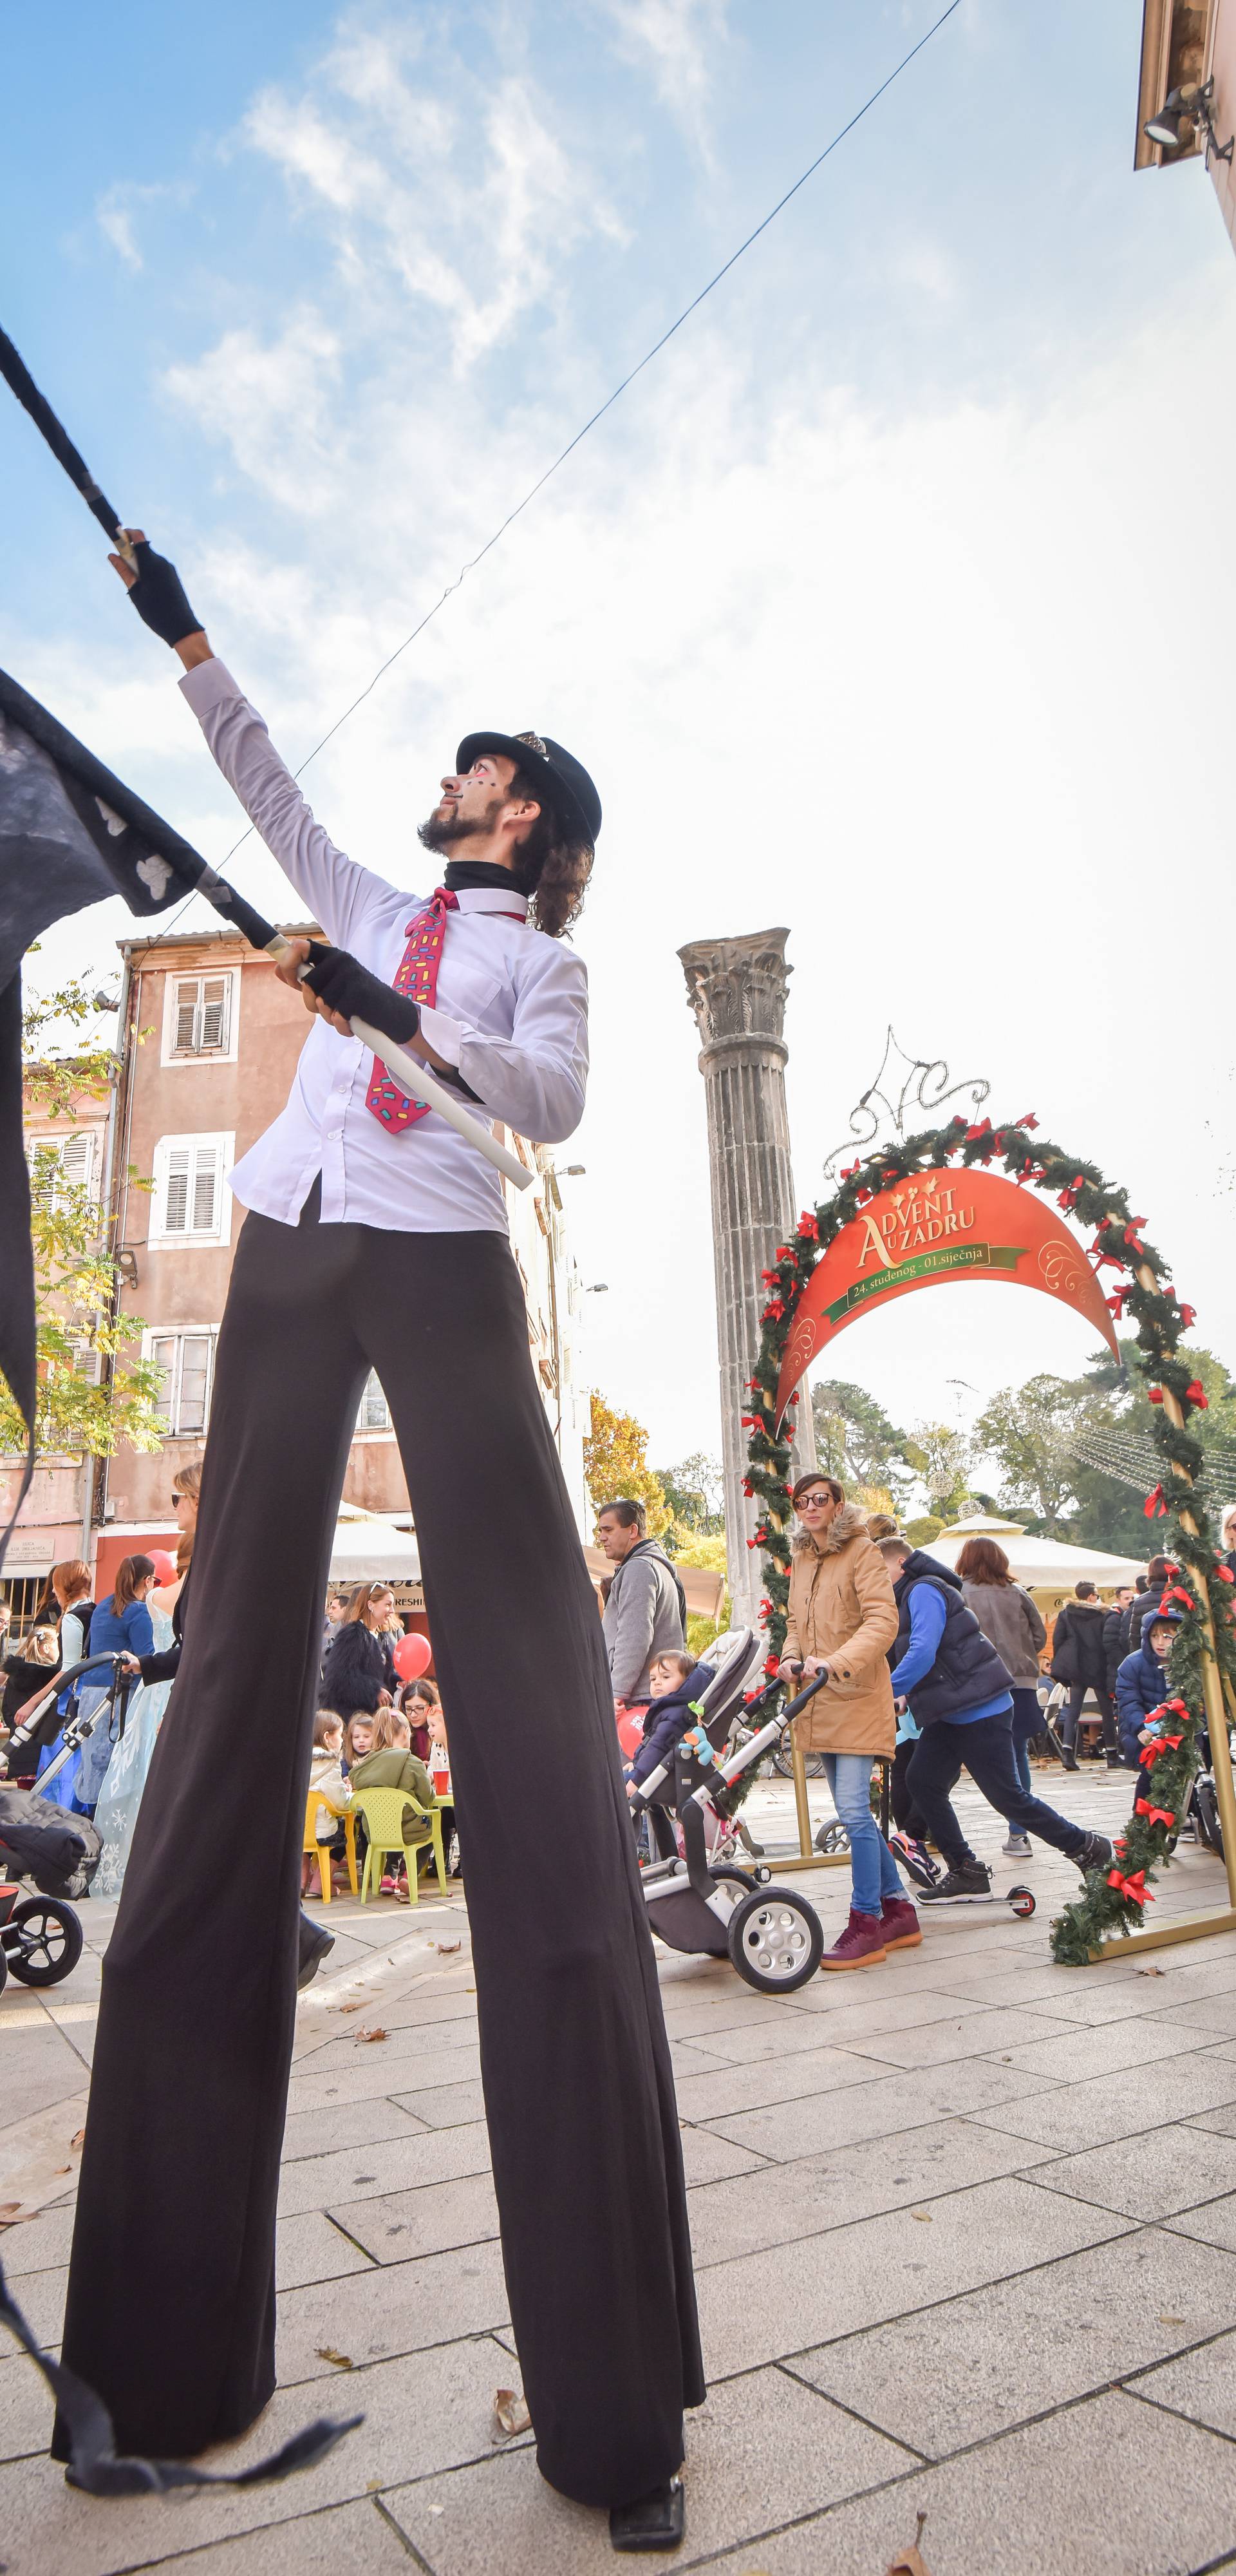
<point>1142,1684</point>
<point>121,1625</point>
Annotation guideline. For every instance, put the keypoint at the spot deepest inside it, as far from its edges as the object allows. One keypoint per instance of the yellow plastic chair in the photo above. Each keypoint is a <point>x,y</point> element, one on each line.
<point>319,1851</point>
<point>384,1811</point>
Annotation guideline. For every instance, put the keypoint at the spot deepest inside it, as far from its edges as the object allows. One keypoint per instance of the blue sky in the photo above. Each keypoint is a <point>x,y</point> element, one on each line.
<point>856,605</point>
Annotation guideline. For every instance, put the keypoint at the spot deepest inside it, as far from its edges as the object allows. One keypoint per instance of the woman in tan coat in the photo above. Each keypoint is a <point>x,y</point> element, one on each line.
<point>843,1619</point>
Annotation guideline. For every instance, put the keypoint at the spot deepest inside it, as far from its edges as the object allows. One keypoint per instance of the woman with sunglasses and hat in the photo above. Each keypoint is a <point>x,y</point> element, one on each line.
<point>841,1620</point>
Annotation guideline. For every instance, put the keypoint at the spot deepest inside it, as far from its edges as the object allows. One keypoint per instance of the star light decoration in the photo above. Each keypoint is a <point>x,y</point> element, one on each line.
<point>908,1092</point>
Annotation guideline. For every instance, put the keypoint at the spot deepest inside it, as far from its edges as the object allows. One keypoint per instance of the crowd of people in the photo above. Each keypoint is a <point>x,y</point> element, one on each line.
<point>930,1669</point>
<point>373,1729</point>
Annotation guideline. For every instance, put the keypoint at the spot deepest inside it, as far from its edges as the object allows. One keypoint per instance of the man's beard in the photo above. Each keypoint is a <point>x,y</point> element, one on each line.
<point>445,831</point>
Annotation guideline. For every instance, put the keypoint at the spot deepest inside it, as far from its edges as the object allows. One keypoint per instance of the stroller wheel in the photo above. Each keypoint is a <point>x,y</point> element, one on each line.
<point>50,1941</point>
<point>776,1940</point>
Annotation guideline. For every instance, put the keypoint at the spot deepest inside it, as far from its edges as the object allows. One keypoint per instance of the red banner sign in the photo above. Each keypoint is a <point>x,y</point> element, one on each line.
<point>942,1225</point>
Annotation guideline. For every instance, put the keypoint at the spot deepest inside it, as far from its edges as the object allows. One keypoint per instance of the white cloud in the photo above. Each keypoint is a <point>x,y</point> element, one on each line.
<point>269,403</point>
<point>678,41</point>
<point>458,189</point>
<point>116,212</point>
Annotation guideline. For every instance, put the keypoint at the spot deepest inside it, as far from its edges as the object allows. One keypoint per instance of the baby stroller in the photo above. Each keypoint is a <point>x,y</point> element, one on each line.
<point>713,1908</point>
<point>41,1936</point>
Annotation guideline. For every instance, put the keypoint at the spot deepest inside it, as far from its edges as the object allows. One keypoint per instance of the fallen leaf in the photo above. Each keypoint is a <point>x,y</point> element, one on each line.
<point>79,2139</point>
<point>62,2169</point>
<point>446,1948</point>
<point>436,2508</point>
<point>910,2562</point>
<point>358,2006</point>
<point>1150,1972</point>
<point>924,2214</point>
<point>376,2033</point>
<point>373,2486</point>
<point>9,2208</point>
<point>1172,2321</point>
<point>341,2360</point>
<point>510,2413</point>
<point>469,1990</point>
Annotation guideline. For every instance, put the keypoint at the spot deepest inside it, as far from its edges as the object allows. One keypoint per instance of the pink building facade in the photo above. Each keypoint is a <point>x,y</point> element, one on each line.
<point>1185,44</point>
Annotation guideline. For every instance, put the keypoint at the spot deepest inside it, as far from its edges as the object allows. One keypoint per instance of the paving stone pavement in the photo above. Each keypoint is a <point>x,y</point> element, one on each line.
<point>965,2236</point>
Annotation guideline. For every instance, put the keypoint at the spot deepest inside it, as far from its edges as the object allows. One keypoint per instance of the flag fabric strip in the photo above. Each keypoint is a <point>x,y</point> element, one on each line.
<point>953,1256</point>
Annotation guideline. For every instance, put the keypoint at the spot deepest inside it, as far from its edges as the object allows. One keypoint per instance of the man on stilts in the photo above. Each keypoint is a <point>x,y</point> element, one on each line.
<point>376,1239</point>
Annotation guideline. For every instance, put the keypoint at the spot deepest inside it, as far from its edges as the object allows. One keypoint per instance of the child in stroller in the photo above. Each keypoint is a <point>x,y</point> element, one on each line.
<point>714,1908</point>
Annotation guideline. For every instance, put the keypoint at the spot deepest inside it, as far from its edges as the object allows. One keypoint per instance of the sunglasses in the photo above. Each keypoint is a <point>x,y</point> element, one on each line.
<point>810,1502</point>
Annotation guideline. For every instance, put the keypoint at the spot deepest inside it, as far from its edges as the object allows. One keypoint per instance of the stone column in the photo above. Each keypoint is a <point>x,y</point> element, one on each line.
<point>737,989</point>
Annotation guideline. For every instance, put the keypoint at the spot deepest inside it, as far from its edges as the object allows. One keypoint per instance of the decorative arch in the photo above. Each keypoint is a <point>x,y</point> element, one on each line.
<point>1201,1669</point>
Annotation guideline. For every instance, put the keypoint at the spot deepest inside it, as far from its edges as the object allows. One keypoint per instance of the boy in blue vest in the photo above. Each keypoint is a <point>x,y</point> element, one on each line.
<point>960,1697</point>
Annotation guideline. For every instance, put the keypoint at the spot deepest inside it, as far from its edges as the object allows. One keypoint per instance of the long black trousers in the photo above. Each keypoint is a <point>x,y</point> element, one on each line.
<point>985,1750</point>
<point>171,2293</point>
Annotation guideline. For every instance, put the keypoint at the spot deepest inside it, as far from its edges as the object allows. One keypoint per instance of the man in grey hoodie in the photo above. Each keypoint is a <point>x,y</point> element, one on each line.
<point>646,1613</point>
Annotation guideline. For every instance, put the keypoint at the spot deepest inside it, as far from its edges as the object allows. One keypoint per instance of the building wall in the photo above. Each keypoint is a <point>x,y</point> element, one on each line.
<point>50,1527</point>
<point>1223,65</point>
<point>232,1093</point>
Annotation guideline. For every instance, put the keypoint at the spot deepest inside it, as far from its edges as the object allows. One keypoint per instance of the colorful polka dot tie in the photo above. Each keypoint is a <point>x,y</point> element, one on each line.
<point>418,977</point>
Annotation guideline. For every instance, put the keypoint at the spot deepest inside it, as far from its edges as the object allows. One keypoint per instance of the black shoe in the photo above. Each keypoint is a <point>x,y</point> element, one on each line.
<point>1064,1751</point>
<point>1095,1853</point>
<point>315,1945</point>
<point>1114,1762</point>
<point>654,2521</point>
<point>971,1878</point>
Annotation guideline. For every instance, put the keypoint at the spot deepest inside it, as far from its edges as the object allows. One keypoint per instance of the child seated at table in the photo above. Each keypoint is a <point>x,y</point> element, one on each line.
<point>393,1765</point>
<point>326,1774</point>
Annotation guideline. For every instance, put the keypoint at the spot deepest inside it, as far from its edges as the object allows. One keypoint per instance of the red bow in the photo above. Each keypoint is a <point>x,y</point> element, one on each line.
<point>1196,1394</point>
<point>1154,1815</point>
<point>1188,1316</point>
<point>1176,1592</point>
<point>1028,1121</point>
<point>1119,1301</point>
<point>1134,1889</point>
<point>1154,1504</point>
<point>1156,1395</point>
<point>984,1129</point>
<point>1150,1752</point>
<point>1225,1574</point>
<point>808,1226</point>
<point>772,1663</point>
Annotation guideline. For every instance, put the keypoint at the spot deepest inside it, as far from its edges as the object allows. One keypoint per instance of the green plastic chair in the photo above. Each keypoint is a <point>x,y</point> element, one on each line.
<point>384,1811</point>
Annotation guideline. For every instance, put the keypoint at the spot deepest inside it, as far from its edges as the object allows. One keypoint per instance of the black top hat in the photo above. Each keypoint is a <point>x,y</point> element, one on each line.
<point>567,785</point>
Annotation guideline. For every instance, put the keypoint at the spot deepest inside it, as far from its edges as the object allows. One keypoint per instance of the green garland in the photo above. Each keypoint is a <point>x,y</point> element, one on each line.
<point>1114,1900</point>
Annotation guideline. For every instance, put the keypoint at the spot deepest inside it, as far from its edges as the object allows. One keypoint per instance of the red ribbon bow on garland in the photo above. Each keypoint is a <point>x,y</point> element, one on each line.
<point>1162,1744</point>
<point>1154,1815</point>
<point>1134,1889</point>
<point>1154,1506</point>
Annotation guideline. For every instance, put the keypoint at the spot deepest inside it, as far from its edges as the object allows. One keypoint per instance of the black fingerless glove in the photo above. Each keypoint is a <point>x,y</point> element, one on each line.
<point>158,596</point>
<point>346,986</point>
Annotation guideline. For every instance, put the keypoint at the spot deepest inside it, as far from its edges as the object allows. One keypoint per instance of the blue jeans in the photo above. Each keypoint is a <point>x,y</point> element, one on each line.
<point>1028,1720</point>
<point>872,1866</point>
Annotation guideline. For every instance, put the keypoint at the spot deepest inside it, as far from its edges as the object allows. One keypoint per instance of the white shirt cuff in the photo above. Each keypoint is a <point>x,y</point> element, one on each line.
<point>208,684</point>
<point>438,1029</point>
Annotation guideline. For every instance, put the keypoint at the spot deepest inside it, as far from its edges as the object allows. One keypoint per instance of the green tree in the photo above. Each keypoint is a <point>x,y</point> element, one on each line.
<point>695,1494</point>
<point>93,1394</point>
<point>854,1438</point>
<point>616,1464</point>
<point>940,1457</point>
<point>1029,1431</point>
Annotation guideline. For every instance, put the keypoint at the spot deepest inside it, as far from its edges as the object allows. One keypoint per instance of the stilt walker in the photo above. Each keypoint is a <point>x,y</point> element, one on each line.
<point>376,1239</point>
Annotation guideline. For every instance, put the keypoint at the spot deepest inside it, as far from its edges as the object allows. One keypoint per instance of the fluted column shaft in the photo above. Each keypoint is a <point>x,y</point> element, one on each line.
<point>737,989</point>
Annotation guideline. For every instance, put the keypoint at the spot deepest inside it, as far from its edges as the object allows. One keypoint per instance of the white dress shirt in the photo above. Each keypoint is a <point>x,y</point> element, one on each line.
<point>511,1016</point>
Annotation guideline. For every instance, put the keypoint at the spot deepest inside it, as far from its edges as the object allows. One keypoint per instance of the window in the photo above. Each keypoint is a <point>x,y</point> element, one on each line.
<point>192,1202</point>
<point>187,1361</point>
<point>375,1412</point>
<point>75,1160</point>
<point>199,1013</point>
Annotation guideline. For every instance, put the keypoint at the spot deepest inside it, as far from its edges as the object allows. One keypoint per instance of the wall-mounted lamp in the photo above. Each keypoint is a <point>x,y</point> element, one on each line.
<point>126,1264</point>
<point>1183,110</point>
<point>573,1171</point>
<point>599,1288</point>
<point>105,1001</point>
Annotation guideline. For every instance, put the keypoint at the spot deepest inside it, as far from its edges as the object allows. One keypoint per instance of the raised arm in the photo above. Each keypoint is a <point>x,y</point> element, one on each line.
<point>331,885</point>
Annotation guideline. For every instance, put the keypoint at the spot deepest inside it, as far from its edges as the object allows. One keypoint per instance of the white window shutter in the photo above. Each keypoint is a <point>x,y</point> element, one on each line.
<point>215,992</point>
<point>205,1189</point>
<point>176,1206</point>
<point>195,1353</point>
<point>163,1354</point>
<point>77,1158</point>
<point>186,1001</point>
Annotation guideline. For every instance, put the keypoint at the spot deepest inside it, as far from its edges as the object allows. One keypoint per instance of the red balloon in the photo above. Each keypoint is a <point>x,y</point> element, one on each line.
<point>630,1734</point>
<point>163,1563</point>
<point>413,1656</point>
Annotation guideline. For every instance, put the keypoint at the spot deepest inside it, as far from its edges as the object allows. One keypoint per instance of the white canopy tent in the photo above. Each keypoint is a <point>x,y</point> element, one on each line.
<point>1047,1567</point>
<point>369,1547</point>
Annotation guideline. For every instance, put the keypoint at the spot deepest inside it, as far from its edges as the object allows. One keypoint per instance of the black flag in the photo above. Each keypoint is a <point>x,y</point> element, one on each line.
<point>70,834</point>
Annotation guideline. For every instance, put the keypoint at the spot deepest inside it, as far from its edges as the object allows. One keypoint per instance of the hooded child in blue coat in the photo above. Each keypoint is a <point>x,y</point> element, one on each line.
<point>1142,1684</point>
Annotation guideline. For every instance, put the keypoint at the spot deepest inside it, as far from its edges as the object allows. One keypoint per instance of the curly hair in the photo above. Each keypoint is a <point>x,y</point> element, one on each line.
<point>552,863</point>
